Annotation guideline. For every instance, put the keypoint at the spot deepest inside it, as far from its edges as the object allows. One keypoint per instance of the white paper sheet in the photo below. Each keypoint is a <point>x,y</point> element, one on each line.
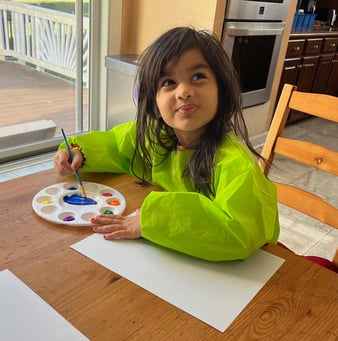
<point>212,292</point>
<point>26,316</point>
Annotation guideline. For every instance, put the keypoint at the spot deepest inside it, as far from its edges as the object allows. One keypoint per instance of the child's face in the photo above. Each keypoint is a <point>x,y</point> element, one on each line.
<point>187,96</point>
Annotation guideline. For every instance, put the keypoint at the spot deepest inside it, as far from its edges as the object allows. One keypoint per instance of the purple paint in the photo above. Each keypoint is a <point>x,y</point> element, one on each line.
<point>68,218</point>
<point>72,188</point>
<point>77,199</point>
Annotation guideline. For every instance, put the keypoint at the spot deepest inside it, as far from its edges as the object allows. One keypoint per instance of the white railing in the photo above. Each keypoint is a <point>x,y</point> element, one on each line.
<point>42,37</point>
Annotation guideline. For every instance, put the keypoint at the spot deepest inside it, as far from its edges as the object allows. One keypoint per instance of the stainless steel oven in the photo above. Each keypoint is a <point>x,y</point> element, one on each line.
<point>252,34</point>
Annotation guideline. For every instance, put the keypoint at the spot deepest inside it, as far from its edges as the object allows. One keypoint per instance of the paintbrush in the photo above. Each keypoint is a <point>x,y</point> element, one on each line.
<point>71,159</point>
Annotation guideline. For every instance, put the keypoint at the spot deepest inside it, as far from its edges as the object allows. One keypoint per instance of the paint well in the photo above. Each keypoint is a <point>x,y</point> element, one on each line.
<point>77,199</point>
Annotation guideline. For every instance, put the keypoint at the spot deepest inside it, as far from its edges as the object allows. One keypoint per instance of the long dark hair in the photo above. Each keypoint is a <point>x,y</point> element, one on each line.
<point>153,132</point>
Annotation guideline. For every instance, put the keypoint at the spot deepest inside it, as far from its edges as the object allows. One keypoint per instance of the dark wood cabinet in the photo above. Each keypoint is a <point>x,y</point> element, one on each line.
<point>292,63</point>
<point>290,72</point>
<point>307,72</point>
<point>311,63</point>
<point>323,71</point>
<point>295,48</point>
<point>313,46</point>
<point>332,86</point>
<point>330,45</point>
<point>324,82</point>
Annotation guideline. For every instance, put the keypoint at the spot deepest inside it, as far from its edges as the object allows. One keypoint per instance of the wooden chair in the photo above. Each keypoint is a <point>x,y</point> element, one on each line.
<point>311,154</point>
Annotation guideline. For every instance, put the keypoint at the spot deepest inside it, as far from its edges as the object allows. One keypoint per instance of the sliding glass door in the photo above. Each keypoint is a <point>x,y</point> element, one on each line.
<point>44,74</point>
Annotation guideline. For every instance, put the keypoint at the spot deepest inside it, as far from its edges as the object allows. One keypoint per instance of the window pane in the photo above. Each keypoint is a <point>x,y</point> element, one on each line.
<point>39,94</point>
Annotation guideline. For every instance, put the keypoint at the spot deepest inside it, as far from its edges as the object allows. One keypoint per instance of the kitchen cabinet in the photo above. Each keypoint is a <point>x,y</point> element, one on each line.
<point>307,71</point>
<point>292,63</point>
<point>324,83</point>
<point>311,63</point>
<point>323,73</point>
<point>302,57</point>
<point>332,87</point>
<point>330,45</point>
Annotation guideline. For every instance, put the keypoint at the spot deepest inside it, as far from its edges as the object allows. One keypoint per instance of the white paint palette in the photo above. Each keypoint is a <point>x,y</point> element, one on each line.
<point>63,203</point>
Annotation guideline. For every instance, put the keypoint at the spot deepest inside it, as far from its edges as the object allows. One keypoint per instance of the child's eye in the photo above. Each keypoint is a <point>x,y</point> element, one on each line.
<point>167,82</point>
<point>199,75</point>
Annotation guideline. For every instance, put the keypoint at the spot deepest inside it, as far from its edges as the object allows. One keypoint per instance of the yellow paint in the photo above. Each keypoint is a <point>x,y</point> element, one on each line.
<point>46,202</point>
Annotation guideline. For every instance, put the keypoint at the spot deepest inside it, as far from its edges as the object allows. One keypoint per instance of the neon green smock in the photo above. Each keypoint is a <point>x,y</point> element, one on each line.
<point>241,218</point>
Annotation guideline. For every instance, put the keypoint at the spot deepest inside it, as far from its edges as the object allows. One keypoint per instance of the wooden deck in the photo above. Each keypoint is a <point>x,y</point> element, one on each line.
<point>28,95</point>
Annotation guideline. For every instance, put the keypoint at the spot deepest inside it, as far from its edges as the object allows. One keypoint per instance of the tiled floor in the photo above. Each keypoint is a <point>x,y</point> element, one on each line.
<point>300,233</point>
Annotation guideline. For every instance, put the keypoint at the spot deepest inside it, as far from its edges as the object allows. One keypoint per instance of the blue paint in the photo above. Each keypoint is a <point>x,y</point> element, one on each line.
<point>77,199</point>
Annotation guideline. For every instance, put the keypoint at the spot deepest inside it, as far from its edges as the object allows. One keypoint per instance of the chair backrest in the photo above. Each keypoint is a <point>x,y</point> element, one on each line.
<point>312,154</point>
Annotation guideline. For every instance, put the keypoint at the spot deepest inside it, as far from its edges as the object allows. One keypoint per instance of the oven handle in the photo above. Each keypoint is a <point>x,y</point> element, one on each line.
<point>240,32</point>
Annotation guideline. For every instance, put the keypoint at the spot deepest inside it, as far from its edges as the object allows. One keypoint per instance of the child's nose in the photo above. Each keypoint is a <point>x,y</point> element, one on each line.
<point>184,91</point>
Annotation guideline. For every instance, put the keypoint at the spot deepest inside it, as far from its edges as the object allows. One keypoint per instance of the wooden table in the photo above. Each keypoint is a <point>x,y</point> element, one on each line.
<point>299,302</point>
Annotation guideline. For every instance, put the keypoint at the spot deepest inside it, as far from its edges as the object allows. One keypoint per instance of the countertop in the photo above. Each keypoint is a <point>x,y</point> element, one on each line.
<point>317,31</point>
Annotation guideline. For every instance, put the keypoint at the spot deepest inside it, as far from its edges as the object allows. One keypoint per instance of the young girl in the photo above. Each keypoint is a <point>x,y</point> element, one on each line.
<point>187,139</point>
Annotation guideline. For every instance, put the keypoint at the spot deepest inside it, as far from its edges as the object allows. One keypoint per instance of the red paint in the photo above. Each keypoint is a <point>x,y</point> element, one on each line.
<point>107,194</point>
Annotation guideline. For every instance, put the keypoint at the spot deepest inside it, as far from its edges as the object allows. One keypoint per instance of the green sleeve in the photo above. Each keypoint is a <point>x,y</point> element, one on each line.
<point>242,217</point>
<point>107,151</point>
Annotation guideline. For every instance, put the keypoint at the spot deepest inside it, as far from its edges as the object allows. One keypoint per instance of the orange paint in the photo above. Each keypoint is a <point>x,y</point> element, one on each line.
<point>114,202</point>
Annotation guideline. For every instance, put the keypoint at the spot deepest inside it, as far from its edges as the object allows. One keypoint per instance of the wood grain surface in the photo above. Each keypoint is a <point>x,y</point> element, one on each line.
<point>298,303</point>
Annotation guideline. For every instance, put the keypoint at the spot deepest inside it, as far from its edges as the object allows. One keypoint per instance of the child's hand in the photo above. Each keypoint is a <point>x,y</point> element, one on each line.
<point>117,226</point>
<point>62,165</point>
